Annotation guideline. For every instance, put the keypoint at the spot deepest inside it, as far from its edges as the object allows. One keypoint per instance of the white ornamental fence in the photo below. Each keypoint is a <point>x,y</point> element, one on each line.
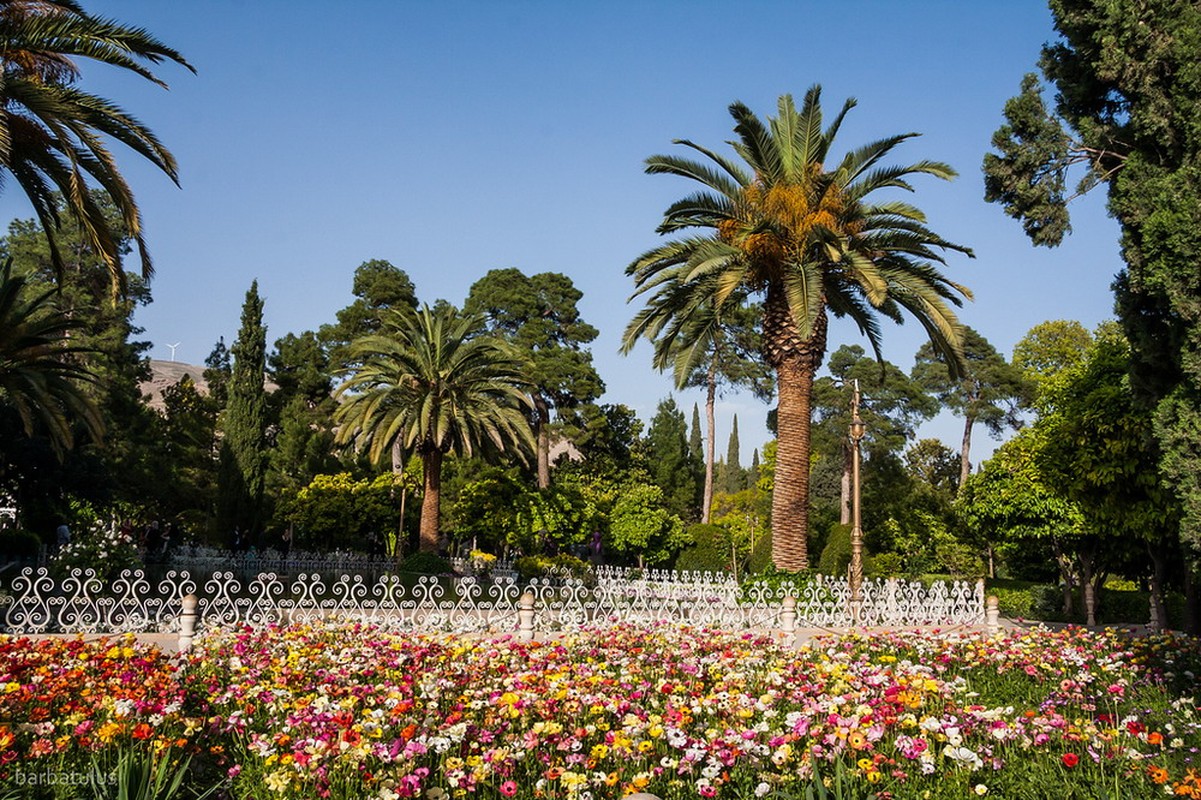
<point>133,603</point>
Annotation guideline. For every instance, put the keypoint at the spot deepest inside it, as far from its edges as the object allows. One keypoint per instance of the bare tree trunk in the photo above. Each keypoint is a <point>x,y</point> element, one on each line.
<point>542,432</point>
<point>1159,612</point>
<point>710,396</point>
<point>965,451</point>
<point>1064,563</point>
<point>430,501</point>
<point>1087,566</point>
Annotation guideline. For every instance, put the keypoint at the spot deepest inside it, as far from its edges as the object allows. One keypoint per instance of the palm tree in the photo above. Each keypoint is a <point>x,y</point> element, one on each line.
<point>40,377</point>
<point>812,241</point>
<point>53,135</point>
<point>431,382</point>
<point>703,345</point>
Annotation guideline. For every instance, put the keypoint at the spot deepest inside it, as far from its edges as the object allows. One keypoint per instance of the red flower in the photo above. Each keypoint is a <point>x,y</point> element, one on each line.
<point>1070,760</point>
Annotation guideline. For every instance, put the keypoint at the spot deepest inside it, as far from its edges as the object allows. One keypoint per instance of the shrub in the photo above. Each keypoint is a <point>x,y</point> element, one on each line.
<point>761,554</point>
<point>709,551</point>
<point>885,565</point>
<point>426,564</point>
<point>545,566</point>
<point>836,555</point>
<point>20,544</point>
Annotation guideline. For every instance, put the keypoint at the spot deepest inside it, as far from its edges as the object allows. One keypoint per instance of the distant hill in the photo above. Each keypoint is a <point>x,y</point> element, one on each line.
<point>168,373</point>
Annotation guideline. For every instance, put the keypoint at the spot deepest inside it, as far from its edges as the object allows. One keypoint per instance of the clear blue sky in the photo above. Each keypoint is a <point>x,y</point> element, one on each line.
<point>451,138</point>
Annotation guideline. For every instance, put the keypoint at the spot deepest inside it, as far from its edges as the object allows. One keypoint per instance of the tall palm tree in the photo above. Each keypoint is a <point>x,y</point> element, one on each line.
<point>40,377</point>
<point>431,382</point>
<point>53,135</point>
<point>703,345</point>
<point>811,238</point>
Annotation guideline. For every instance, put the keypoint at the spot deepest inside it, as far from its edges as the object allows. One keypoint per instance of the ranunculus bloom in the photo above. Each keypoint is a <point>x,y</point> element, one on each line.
<point>1070,760</point>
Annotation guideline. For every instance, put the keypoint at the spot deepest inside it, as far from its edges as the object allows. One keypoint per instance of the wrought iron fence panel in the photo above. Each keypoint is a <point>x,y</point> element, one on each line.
<point>81,602</point>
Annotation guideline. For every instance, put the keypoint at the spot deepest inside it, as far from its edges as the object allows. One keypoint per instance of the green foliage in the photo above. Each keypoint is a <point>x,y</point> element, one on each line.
<point>378,286</point>
<point>98,545</point>
<point>241,475</point>
<point>426,564</point>
<point>1127,110</point>
<point>641,527</point>
<point>988,390</point>
<point>836,555</point>
<point>540,566</point>
<point>539,317</point>
<point>141,774</point>
<point>20,544</point>
<point>709,551</point>
<point>670,463</point>
<point>339,512</point>
<point>57,135</point>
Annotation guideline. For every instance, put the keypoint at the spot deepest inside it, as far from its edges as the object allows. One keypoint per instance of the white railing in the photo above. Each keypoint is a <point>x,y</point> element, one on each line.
<point>82,603</point>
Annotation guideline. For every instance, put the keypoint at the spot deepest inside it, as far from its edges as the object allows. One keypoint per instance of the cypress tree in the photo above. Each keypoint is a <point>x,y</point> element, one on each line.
<point>752,478</point>
<point>242,469</point>
<point>734,476</point>
<point>695,441</point>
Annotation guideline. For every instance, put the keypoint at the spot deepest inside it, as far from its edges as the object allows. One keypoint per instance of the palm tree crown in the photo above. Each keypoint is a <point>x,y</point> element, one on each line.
<point>52,134</point>
<point>812,240</point>
<point>432,383</point>
<point>40,376</point>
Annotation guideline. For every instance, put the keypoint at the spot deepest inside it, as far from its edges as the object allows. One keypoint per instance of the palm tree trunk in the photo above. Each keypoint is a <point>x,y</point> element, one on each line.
<point>795,359</point>
<point>542,432</point>
<point>711,394</point>
<point>431,462</point>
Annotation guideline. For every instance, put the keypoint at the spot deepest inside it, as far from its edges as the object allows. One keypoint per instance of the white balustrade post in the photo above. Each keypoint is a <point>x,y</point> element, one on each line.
<point>187,622</point>
<point>992,614</point>
<point>788,616</point>
<point>525,617</point>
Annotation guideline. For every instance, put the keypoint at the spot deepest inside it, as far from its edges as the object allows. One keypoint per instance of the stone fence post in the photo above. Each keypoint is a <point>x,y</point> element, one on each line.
<point>788,616</point>
<point>187,622</point>
<point>992,614</point>
<point>525,617</point>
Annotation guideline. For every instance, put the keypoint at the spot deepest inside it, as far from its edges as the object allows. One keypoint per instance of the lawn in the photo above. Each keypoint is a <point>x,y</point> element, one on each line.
<point>353,712</point>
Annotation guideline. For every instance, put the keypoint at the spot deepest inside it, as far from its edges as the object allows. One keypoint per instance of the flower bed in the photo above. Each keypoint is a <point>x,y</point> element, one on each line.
<point>351,712</point>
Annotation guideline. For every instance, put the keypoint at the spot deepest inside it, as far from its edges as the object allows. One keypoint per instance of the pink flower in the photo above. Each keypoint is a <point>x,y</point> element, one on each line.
<point>508,788</point>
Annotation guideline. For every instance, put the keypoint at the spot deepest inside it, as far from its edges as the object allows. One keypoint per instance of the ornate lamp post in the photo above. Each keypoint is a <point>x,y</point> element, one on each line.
<point>858,429</point>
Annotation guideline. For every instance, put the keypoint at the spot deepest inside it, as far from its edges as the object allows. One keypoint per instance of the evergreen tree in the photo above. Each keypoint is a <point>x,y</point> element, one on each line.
<point>671,466</point>
<point>695,440</point>
<point>538,316</point>
<point>218,368</point>
<point>752,478</point>
<point>1127,115</point>
<point>734,477</point>
<point>242,470</point>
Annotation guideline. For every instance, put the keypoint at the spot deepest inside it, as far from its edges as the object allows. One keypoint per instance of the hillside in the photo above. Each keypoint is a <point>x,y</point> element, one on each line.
<point>168,373</point>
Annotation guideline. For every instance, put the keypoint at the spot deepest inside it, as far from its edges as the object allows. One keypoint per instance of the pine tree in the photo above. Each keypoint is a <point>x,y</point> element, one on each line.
<point>733,472</point>
<point>242,470</point>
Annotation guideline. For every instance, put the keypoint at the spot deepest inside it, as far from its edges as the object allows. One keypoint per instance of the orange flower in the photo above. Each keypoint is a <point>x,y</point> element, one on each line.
<point>1158,774</point>
<point>1155,738</point>
<point>142,731</point>
<point>857,740</point>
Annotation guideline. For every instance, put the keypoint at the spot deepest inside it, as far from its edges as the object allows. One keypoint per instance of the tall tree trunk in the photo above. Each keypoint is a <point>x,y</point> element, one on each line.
<point>1159,612</point>
<point>430,500</point>
<point>795,359</point>
<point>710,402</point>
<point>1087,571</point>
<point>965,451</point>
<point>542,432</point>
<point>398,468</point>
